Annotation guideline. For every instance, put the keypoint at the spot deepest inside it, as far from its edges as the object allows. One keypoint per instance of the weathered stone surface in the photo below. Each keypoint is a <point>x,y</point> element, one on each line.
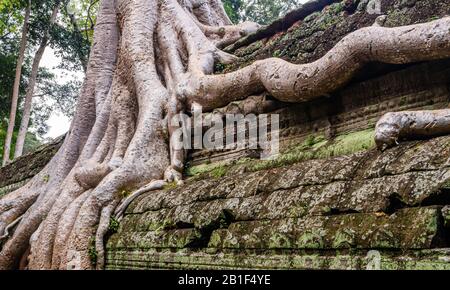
<point>371,173</point>
<point>390,201</point>
<point>314,33</point>
<point>16,174</point>
<point>341,259</point>
<point>309,33</point>
<point>415,228</point>
<point>357,106</point>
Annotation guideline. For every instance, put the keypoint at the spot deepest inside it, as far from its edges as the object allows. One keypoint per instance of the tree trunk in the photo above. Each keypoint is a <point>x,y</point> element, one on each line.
<point>31,85</point>
<point>150,60</point>
<point>15,95</point>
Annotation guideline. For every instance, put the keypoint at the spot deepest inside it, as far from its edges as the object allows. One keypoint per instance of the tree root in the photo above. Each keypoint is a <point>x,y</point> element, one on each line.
<point>299,83</point>
<point>154,185</point>
<point>9,227</point>
<point>393,127</point>
<point>102,230</point>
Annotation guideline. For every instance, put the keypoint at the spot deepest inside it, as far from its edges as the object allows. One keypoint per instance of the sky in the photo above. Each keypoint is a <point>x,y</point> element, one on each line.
<point>58,123</point>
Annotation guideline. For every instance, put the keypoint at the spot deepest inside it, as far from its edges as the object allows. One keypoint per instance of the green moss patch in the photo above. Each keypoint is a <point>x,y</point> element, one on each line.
<point>313,147</point>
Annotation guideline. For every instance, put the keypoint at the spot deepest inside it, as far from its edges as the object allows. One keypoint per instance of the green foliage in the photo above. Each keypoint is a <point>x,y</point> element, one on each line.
<point>50,95</point>
<point>61,96</point>
<point>2,140</point>
<point>204,169</point>
<point>219,67</point>
<point>266,11</point>
<point>170,186</point>
<point>232,7</point>
<point>260,11</point>
<point>317,147</point>
<point>66,41</point>
<point>219,172</point>
<point>215,170</point>
<point>85,12</point>
<point>349,143</point>
<point>46,178</point>
<point>66,36</point>
<point>9,47</point>
<point>11,16</point>
<point>312,140</point>
<point>31,141</point>
<point>125,193</point>
<point>113,225</point>
<point>313,147</point>
<point>92,252</point>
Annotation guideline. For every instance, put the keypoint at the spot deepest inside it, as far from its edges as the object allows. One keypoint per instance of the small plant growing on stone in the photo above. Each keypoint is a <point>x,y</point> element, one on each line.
<point>219,172</point>
<point>113,225</point>
<point>46,178</point>
<point>125,192</point>
<point>170,186</point>
<point>276,53</point>
<point>219,67</point>
<point>93,255</point>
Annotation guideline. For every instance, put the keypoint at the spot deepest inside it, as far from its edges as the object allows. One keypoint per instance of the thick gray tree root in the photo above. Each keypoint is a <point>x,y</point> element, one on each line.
<point>9,227</point>
<point>152,59</point>
<point>394,127</point>
<point>154,185</point>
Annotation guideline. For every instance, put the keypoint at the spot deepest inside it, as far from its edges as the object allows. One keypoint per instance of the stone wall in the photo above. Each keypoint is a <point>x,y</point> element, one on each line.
<point>369,209</point>
<point>355,107</point>
<point>307,33</point>
<point>328,213</point>
<point>18,173</point>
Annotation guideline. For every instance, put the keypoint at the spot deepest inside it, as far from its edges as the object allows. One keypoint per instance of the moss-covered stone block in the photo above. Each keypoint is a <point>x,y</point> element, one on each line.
<point>412,228</point>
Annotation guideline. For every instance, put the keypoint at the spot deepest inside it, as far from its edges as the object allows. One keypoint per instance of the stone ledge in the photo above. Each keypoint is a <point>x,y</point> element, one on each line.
<point>339,260</point>
<point>390,201</point>
<point>17,173</point>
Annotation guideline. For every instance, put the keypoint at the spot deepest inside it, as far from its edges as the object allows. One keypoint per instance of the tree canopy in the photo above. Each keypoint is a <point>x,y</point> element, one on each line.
<point>260,11</point>
<point>70,40</point>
